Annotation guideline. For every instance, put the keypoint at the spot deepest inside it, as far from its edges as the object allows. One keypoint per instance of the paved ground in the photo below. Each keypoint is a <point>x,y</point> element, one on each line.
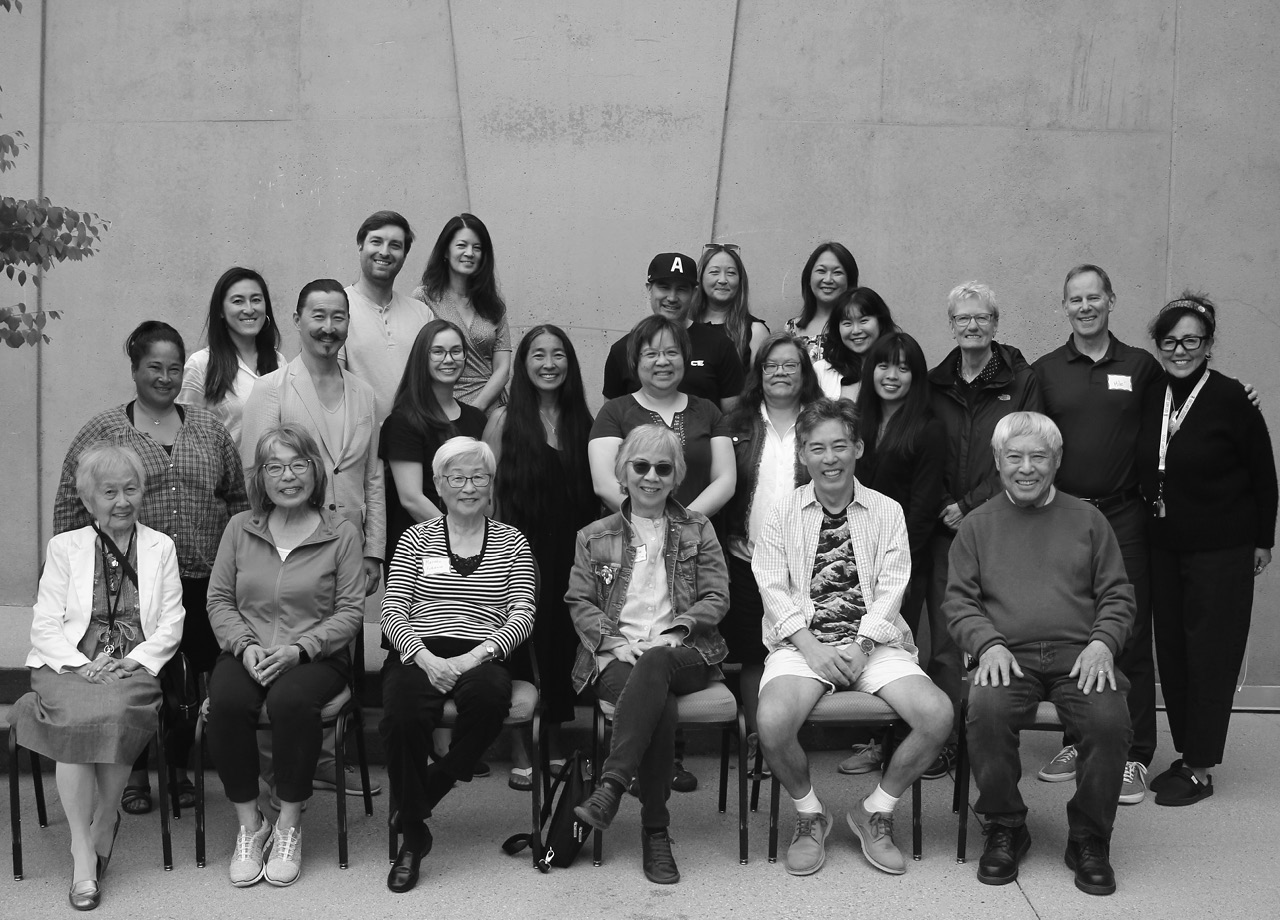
<point>1215,859</point>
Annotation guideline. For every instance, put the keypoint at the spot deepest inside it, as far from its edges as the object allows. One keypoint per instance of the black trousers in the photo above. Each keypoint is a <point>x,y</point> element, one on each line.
<point>1202,604</point>
<point>411,710</point>
<point>293,703</point>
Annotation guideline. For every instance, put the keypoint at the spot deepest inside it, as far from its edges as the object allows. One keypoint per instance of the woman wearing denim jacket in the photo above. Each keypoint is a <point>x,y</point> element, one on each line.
<point>648,587</point>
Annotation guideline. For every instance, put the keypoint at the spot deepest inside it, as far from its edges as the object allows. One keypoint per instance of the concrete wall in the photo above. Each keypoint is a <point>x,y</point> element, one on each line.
<point>940,140</point>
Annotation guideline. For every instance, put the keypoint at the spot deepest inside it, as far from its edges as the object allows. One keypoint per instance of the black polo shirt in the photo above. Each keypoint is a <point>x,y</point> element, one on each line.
<point>1097,407</point>
<point>713,371</point>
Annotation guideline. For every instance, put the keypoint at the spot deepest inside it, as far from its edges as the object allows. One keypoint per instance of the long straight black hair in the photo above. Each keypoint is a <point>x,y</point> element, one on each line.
<point>482,287</point>
<point>905,425</point>
<point>416,396</point>
<point>224,361</point>
<point>522,497</point>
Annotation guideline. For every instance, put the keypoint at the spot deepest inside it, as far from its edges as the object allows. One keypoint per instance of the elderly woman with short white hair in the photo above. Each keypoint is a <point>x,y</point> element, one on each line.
<point>648,587</point>
<point>460,600</point>
<point>108,617</point>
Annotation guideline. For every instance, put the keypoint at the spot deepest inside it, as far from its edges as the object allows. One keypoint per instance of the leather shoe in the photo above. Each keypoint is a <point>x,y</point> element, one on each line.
<point>599,808</point>
<point>659,864</point>
<point>404,871</point>
<point>1090,859</point>
<point>84,895</point>
<point>1002,853</point>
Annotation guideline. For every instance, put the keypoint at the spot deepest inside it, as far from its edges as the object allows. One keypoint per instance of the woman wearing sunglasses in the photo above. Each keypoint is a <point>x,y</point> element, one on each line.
<point>647,589</point>
<point>721,299</point>
<point>1208,472</point>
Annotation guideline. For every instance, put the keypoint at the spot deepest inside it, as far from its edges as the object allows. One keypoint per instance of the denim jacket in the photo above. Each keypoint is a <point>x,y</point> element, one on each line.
<point>603,562</point>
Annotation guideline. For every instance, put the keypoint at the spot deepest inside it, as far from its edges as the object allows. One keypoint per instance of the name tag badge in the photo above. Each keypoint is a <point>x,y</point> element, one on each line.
<point>435,565</point>
<point>642,553</point>
<point>1120,382</point>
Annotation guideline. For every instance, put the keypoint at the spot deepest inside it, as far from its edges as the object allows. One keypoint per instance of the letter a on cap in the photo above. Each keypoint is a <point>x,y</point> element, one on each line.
<point>677,266</point>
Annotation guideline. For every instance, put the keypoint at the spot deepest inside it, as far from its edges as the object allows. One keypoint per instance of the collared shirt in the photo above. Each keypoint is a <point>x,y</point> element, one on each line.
<point>784,555</point>
<point>378,343</point>
<point>776,477</point>
<point>190,495</point>
<point>231,410</point>
<point>1097,405</point>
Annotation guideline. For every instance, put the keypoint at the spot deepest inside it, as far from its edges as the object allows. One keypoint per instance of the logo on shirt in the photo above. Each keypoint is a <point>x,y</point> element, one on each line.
<point>698,363</point>
<point>1004,397</point>
<point>1120,382</point>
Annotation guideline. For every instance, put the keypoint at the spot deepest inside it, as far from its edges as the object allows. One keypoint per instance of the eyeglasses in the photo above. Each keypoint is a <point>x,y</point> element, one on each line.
<point>786,367</point>
<point>963,320</point>
<point>276,470</point>
<point>663,469</point>
<point>479,480</point>
<point>439,354</point>
<point>1188,342</point>
<point>720,247</point>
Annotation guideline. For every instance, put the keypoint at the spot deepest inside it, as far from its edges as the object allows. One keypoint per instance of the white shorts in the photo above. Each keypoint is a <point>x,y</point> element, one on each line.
<point>886,664</point>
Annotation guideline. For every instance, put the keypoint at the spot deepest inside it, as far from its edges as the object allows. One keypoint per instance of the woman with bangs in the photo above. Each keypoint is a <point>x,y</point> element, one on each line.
<point>722,299</point>
<point>830,271</point>
<point>543,487</point>
<point>859,319</point>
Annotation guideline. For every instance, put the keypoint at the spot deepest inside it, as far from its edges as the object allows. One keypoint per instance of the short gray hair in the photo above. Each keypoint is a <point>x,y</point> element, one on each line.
<point>1032,424</point>
<point>644,439</point>
<point>106,458</point>
<point>975,289</point>
<point>462,450</point>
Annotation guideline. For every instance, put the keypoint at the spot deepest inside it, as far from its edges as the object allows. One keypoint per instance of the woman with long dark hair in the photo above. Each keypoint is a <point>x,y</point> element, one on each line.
<point>244,344</point>
<point>722,299</point>
<point>423,416</point>
<point>460,284</point>
<point>860,318</point>
<point>830,271</point>
<point>543,487</point>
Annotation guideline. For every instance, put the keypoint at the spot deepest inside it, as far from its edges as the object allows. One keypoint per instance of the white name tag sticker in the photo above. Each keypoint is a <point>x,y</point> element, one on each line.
<point>435,565</point>
<point>1120,382</point>
<point>642,553</point>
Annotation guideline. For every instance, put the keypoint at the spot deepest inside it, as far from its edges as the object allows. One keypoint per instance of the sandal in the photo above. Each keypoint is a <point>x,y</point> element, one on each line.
<point>186,792</point>
<point>520,779</point>
<point>1184,788</point>
<point>136,800</point>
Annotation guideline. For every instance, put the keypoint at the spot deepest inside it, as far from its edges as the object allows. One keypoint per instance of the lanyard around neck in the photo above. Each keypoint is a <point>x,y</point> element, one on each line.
<point>1172,421</point>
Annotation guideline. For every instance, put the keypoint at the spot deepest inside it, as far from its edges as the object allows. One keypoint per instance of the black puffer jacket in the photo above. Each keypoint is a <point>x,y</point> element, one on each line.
<point>970,476</point>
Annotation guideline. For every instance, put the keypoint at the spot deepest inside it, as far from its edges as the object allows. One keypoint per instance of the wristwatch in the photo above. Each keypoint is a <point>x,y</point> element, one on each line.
<point>490,651</point>
<point>867,645</point>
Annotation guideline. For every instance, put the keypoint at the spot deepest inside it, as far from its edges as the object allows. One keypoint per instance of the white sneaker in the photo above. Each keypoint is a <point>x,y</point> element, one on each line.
<point>246,861</point>
<point>284,865</point>
<point>1134,787</point>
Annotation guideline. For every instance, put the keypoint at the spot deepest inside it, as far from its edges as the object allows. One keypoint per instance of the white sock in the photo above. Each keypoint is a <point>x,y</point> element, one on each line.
<point>880,802</point>
<point>809,804</point>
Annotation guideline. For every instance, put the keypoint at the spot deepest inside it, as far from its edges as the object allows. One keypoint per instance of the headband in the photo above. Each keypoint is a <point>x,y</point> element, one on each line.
<point>1186,305</point>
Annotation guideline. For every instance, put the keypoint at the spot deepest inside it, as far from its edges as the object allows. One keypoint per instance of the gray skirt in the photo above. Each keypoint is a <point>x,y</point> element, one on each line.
<point>68,719</point>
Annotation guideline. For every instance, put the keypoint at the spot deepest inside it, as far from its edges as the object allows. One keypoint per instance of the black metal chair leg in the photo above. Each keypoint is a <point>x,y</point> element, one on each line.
<point>917,829</point>
<point>723,802</point>
<point>597,764</point>
<point>743,855</point>
<point>364,763</point>
<point>774,795</point>
<point>15,808</point>
<point>341,784</point>
<point>162,783</point>
<point>37,780</point>
<point>535,749</point>
<point>199,768</point>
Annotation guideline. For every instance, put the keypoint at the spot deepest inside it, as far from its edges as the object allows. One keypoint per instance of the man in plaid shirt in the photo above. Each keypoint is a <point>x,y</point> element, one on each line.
<point>832,564</point>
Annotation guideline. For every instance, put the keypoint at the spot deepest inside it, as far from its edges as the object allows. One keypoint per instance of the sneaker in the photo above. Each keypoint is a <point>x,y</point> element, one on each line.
<point>682,780</point>
<point>1133,789</point>
<point>865,758</point>
<point>1090,860</point>
<point>324,780</point>
<point>1002,853</point>
<point>808,850</point>
<point>943,764</point>
<point>875,831</point>
<point>284,864</point>
<point>599,808</point>
<point>656,857</point>
<point>246,860</point>
<point>1061,768</point>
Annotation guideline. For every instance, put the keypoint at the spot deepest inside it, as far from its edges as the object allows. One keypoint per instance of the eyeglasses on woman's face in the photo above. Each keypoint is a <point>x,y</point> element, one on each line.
<point>1189,343</point>
<point>479,480</point>
<point>298,467</point>
<point>962,320</point>
<point>781,367</point>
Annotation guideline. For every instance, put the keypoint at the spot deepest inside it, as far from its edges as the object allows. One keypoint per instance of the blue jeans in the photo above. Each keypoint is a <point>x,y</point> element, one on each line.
<point>644,721</point>
<point>1099,722</point>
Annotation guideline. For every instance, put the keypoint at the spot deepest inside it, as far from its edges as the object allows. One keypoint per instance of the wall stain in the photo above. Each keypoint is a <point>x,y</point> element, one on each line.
<point>581,124</point>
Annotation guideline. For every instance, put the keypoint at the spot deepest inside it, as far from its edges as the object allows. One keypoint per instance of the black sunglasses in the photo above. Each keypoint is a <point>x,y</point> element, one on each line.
<point>663,469</point>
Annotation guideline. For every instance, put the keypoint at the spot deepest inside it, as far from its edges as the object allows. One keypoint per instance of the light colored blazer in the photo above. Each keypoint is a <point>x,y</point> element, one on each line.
<point>64,606</point>
<point>355,491</point>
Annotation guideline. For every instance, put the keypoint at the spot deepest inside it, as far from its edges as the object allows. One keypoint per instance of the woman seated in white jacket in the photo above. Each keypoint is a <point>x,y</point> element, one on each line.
<point>107,619</point>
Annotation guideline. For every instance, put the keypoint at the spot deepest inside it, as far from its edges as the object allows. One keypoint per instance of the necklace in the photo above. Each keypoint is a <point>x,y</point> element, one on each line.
<point>547,420</point>
<point>155,421</point>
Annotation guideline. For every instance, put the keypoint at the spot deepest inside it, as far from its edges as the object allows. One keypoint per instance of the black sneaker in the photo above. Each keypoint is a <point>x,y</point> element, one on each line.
<point>943,765</point>
<point>682,780</point>
<point>659,863</point>
<point>599,808</point>
<point>1002,853</point>
<point>1090,859</point>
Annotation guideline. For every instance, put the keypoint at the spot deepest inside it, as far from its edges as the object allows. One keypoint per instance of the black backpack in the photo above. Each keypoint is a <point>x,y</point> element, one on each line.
<point>563,836</point>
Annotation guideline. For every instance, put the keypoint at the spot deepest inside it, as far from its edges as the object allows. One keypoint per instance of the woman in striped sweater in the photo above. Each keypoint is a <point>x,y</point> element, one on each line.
<point>459,601</point>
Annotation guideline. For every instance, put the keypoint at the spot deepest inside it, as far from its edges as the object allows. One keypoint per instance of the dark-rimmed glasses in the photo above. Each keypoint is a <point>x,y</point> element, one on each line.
<point>1188,343</point>
<point>275,469</point>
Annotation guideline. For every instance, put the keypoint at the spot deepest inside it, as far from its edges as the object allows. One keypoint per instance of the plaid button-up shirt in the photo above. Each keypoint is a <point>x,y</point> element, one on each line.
<point>190,495</point>
<point>783,565</point>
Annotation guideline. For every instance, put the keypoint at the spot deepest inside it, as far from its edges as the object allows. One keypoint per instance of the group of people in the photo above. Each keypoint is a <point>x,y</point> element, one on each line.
<point>801,504</point>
